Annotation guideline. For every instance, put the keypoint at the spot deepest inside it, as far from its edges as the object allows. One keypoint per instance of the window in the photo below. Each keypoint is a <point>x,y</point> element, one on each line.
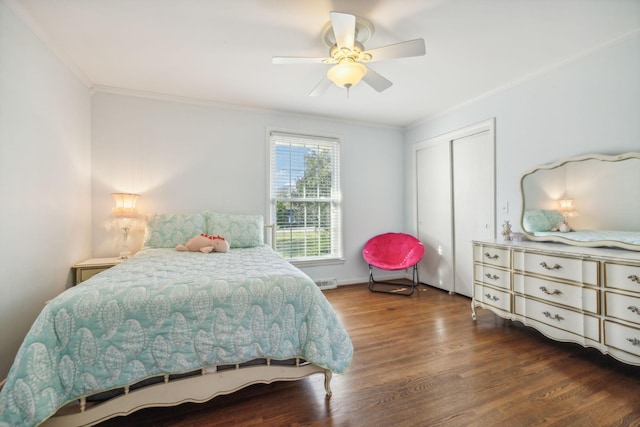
<point>305,196</point>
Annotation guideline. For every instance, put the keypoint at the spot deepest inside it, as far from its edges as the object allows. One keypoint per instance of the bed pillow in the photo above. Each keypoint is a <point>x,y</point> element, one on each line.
<point>168,231</point>
<point>554,216</point>
<point>241,231</point>
<point>541,220</point>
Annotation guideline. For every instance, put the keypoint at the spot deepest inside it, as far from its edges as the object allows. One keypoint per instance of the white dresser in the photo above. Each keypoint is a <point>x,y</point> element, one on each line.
<point>590,296</point>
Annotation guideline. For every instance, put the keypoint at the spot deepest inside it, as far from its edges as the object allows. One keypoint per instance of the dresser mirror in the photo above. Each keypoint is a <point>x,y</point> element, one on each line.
<point>592,200</point>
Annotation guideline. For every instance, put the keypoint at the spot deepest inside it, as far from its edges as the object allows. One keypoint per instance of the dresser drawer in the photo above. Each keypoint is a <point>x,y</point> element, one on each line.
<point>492,276</point>
<point>622,337</point>
<point>622,276</point>
<point>558,317</point>
<point>493,297</point>
<point>574,296</point>
<point>490,255</point>
<point>622,307</point>
<point>573,269</point>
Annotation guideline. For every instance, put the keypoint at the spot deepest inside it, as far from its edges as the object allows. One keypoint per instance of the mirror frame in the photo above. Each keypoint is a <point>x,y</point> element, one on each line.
<point>560,239</point>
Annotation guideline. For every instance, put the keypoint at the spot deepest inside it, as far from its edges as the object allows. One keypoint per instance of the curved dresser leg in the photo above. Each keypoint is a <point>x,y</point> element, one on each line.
<point>327,382</point>
<point>473,309</point>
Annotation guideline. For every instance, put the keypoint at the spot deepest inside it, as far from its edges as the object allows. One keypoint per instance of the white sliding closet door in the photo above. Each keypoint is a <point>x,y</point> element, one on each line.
<point>433,185</point>
<point>473,203</point>
<point>455,201</point>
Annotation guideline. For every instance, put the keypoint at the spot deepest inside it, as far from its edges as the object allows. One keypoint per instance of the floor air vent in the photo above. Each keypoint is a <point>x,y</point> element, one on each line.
<point>327,284</point>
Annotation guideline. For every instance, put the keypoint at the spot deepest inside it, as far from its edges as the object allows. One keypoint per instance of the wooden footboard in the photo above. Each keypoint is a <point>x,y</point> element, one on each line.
<point>206,385</point>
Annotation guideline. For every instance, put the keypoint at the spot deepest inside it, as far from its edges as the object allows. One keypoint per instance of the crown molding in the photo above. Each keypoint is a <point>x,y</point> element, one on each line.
<point>526,78</point>
<point>228,106</point>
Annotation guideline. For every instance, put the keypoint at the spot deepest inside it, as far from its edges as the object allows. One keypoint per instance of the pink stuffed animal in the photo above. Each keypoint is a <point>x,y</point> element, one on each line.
<point>205,244</point>
<point>563,227</point>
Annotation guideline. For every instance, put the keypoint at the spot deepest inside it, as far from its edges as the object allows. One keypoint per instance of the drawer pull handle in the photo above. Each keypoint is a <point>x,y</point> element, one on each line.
<point>555,267</point>
<point>488,255</point>
<point>634,309</point>
<point>552,316</point>
<point>492,277</point>
<point>634,278</point>
<point>634,341</point>
<point>492,297</point>
<point>546,291</point>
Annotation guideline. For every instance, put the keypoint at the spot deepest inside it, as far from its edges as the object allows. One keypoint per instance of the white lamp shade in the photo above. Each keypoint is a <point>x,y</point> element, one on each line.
<point>125,205</point>
<point>566,204</point>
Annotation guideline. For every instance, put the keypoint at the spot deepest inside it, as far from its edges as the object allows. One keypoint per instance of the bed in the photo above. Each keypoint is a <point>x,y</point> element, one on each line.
<point>167,327</point>
<point>594,237</point>
<point>542,225</point>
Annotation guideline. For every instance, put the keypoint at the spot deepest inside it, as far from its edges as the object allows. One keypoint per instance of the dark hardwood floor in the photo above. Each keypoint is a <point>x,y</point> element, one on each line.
<point>422,361</point>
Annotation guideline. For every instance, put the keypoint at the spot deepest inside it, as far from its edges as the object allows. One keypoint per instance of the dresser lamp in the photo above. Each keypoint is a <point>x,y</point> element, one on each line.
<point>567,208</point>
<point>126,217</point>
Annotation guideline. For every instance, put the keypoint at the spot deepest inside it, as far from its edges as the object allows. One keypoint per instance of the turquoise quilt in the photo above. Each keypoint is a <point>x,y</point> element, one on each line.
<point>169,312</point>
<point>603,236</point>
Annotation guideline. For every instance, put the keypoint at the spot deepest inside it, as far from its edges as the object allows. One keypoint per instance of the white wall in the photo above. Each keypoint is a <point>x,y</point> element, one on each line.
<point>588,105</point>
<point>187,158</point>
<point>45,189</point>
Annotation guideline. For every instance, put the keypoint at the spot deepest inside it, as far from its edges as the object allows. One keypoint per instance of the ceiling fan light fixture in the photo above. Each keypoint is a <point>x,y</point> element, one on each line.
<point>347,73</point>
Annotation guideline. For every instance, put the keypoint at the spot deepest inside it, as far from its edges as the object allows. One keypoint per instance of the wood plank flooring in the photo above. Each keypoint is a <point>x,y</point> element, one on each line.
<point>422,361</point>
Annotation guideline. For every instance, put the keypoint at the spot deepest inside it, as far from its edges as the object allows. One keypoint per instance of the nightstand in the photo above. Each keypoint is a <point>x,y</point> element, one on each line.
<point>92,266</point>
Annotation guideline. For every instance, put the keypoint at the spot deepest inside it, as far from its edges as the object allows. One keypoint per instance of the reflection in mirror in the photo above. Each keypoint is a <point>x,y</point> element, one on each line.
<point>598,196</point>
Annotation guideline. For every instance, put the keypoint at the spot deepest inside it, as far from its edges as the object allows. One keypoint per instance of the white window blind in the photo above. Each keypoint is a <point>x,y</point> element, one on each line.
<point>305,196</point>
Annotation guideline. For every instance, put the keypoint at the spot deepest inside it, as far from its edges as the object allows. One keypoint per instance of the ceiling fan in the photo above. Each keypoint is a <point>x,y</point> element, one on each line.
<point>345,36</point>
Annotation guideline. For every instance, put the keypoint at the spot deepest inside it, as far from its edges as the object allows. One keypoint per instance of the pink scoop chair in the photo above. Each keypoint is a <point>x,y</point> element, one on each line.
<point>393,251</point>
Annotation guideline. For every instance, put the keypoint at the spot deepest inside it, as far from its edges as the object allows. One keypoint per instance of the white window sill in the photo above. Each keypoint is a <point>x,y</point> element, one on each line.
<point>316,262</point>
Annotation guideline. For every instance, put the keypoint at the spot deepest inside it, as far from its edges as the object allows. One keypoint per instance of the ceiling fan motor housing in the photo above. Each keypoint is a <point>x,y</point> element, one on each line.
<point>357,54</point>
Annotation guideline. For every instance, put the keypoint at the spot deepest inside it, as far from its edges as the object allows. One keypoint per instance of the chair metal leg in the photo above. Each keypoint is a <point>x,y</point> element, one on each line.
<point>399,288</point>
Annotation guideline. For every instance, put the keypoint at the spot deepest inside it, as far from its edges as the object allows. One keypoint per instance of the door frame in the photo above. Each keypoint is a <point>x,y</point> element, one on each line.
<point>448,137</point>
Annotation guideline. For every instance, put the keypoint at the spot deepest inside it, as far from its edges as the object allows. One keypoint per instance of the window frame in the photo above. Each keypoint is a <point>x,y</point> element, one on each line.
<point>337,231</point>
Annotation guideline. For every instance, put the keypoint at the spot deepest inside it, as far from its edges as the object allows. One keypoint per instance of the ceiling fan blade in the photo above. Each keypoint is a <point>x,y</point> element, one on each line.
<point>344,29</point>
<point>376,81</point>
<point>321,87</point>
<point>399,50</point>
<point>296,60</point>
